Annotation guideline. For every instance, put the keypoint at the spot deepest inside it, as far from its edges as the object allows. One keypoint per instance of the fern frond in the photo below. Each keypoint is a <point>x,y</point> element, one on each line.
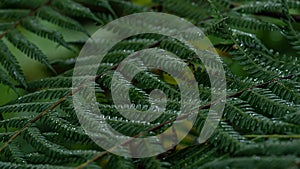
<point>38,141</point>
<point>271,147</point>
<point>27,47</point>
<point>120,162</point>
<point>50,15</point>
<point>122,8</point>
<point>287,90</point>
<point>11,64</point>
<point>42,95</point>
<point>26,107</point>
<point>192,156</point>
<point>275,162</point>
<point>8,165</point>
<point>152,163</point>
<point>243,21</point>
<point>65,128</point>
<point>186,8</point>
<point>13,14</point>
<point>243,116</point>
<point>293,4</point>
<point>260,125</point>
<point>227,139</point>
<point>74,9</point>
<point>31,4</point>
<point>37,158</point>
<point>15,122</point>
<point>14,154</point>
<point>55,82</point>
<point>33,24</point>
<point>256,7</point>
<point>4,79</point>
<point>6,25</point>
<point>268,102</point>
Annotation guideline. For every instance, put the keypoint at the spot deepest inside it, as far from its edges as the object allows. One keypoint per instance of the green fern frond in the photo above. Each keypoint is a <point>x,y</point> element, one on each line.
<point>13,14</point>
<point>15,122</point>
<point>27,47</point>
<point>55,82</point>
<point>8,165</point>
<point>268,102</point>
<point>119,162</point>
<point>243,21</point>
<point>256,7</point>
<point>260,123</point>
<point>243,116</point>
<point>14,154</point>
<point>287,90</point>
<point>50,15</point>
<point>4,79</point>
<point>276,162</point>
<point>33,24</point>
<point>38,141</point>
<point>11,64</point>
<point>192,156</point>
<point>74,9</point>
<point>26,107</point>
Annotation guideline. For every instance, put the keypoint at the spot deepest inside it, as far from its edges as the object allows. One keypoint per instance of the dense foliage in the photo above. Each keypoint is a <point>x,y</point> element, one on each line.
<point>260,127</point>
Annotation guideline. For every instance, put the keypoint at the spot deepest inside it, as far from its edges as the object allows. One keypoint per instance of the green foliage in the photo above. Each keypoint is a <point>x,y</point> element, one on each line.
<point>260,127</point>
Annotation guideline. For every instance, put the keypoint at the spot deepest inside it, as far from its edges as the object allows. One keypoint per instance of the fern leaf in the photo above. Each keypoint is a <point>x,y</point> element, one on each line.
<point>152,163</point>
<point>18,40</point>
<point>251,23</point>
<point>192,157</point>
<point>260,125</point>
<point>271,147</point>
<point>32,4</point>
<point>6,25</point>
<point>271,104</point>
<point>37,158</point>
<point>256,7</point>
<point>15,122</point>
<point>242,115</point>
<point>287,90</point>
<point>4,79</point>
<point>99,3</point>
<point>227,139</point>
<point>26,107</point>
<point>120,162</point>
<point>11,64</point>
<point>13,14</point>
<point>14,154</point>
<point>42,95</point>
<point>38,141</point>
<point>74,8</point>
<point>8,165</point>
<point>47,13</point>
<point>32,24</point>
<point>55,82</point>
<point>293,4</point>
<point>259,162</point>
<point>63,127</point>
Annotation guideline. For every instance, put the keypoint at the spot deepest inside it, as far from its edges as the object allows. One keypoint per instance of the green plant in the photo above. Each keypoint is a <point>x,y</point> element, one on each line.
<point>260,127</point>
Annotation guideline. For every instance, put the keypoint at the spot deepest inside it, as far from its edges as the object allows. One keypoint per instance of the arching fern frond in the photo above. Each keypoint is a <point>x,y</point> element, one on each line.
<point>259,127</point>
